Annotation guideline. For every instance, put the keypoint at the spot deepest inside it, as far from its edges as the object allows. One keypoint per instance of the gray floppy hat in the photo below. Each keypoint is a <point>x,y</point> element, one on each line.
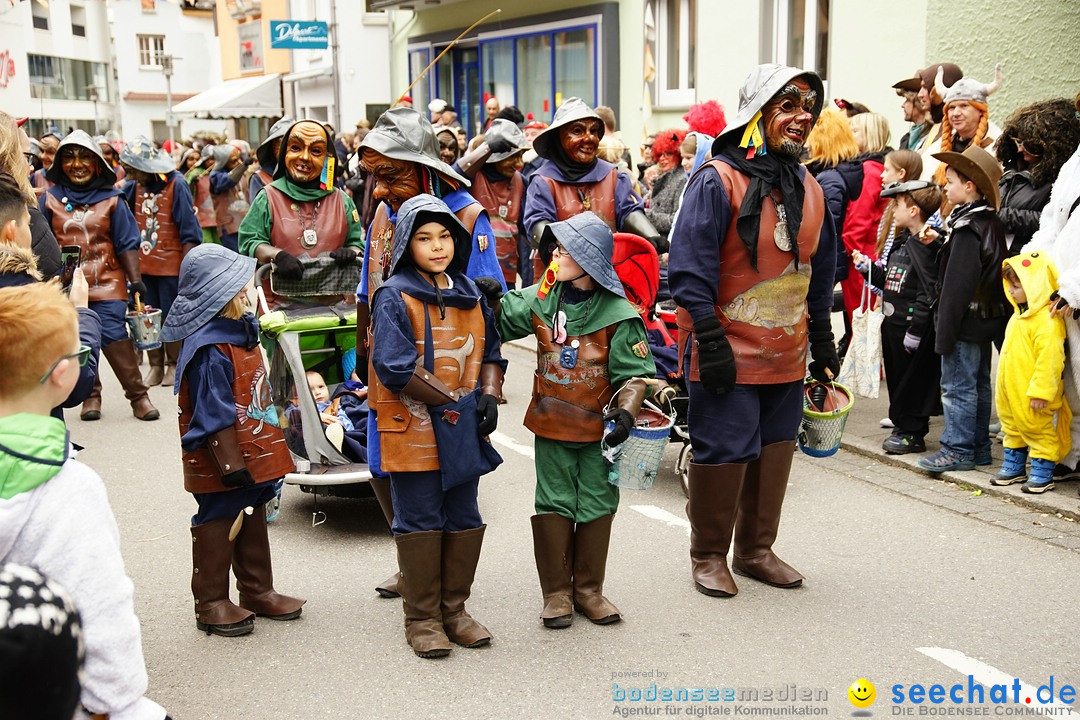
<point>404,134</point>
<point>265,152</point>
<point>512,133</point>
<point>589,241</point>
<point>210,276</point>
<point>141,154</point>
<point>571,110</point>
<point>759,87</point>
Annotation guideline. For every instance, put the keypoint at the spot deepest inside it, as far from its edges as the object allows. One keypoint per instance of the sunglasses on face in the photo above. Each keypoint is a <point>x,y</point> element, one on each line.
<point>1032,148</point>
<point>83,354</point>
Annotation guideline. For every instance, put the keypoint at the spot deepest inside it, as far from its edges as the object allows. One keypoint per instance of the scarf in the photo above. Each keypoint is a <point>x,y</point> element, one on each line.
<point>766,172</point>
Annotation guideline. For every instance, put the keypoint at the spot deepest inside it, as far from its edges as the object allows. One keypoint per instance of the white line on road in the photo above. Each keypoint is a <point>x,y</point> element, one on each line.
<point>511,444</point>
<point>990,675</point>
<point>651,511</point>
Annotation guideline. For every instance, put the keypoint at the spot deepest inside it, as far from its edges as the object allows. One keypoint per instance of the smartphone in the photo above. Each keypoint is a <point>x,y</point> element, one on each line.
<point>70,257</point>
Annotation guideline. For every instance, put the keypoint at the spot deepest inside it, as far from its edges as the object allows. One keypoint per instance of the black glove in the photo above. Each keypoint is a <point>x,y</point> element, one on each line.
<point>624,422</point>
<point>238,479</point>
<point>249,161</point>
<point>660,243</point>
<point>487,407</point>
<point>361,369</point>
<point>822,351</point>
<point>716,361</point>
<point>343,256</point>
<point>492,290</point>
<point>137,287</point>
<point>287,266</point>
<point>1057,303</point>
<point>498,138</point>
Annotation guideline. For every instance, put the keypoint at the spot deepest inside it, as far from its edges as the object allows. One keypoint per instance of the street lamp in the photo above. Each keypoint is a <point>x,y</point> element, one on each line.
<point>92,91</point>
<point>170,119</point>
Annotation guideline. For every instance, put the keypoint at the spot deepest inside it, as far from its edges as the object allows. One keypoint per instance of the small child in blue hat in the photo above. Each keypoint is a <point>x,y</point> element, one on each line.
<point>233,448</point>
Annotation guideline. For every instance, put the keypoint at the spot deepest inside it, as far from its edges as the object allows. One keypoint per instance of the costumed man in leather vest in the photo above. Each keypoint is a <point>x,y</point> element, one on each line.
<point>497,184</point>
<point>198,179</point>
<point>301,212</point>
<point>85,208</point>
<point>434,342</point>
<point>573,180</point>
<point>402,155</point>
<point>751,268</point>
<point>267,155</point>
<point>168,230</point>
<point>227,194</point>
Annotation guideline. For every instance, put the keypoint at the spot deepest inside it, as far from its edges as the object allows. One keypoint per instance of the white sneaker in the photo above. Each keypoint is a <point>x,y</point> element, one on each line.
<point>885,423</point>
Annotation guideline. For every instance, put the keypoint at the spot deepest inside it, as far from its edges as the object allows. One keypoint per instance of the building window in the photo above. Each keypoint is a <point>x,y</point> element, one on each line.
<point>151,50</point>
<point>78,21</point>
<point>40,11</point>
<point>793,21</point>
<point>421,93</point>
<point>671,54</point>
<point>66,79</point>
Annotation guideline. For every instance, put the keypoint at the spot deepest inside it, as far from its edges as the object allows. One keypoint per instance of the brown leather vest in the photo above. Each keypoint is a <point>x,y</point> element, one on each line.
<point>89,227</point>
<point>574,198</point>
<point>406,437</point>
<point>204,203</point>
<point>159,244</point>
<point>230,207</point>
<point>568,404</point>
<point>261,441</point>
<point>501,200</point>
<point>763,312</point>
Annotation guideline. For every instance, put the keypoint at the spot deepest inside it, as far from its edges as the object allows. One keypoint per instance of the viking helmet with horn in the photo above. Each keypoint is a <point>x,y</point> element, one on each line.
<point>967,88</point>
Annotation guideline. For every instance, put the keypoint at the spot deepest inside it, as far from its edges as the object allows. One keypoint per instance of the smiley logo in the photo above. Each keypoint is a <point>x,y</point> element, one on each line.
<point>862,693</point>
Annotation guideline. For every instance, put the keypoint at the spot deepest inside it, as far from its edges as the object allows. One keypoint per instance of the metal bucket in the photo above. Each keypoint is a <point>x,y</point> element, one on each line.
<point>145,328</point>
<point>825,413</point>
<point>634,464</point>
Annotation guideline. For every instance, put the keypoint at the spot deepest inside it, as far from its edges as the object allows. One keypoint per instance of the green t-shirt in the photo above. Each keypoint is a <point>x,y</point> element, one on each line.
<point>255,229</point>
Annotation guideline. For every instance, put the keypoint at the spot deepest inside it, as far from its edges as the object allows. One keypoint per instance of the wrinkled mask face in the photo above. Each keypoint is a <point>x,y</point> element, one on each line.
<point>234,159</point>
<point>510,165</point>
<point>580,140</point>
<point>395,180</point>
<point>306,152</point>
<point>788,118</point>
<point>80,165</point>
<point>448,147</point>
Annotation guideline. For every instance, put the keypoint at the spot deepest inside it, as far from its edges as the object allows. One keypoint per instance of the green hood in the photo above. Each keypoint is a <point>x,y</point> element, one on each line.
<point>298,193</point>
<point>33,449</point>
<point>1038,277</point>
<point>609,308</point>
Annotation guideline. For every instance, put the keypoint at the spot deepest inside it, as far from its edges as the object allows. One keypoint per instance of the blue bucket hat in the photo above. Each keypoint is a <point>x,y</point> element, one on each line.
<point>422,209</point>
<point>589,241</point>
<point>210,276</point>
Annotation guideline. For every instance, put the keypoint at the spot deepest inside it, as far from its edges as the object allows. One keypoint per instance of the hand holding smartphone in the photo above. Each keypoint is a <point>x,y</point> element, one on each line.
<point>70,257</point>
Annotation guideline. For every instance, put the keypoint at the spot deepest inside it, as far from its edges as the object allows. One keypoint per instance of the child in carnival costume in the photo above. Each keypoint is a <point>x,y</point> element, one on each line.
<point>591,348</point>
<point>233,448</point>
<point>434,342</point>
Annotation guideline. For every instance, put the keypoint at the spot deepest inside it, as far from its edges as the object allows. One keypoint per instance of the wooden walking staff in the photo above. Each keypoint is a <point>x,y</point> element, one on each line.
<point>445,50</point>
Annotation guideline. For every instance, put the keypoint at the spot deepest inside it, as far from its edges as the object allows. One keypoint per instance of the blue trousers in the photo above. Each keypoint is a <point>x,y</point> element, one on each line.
<point>161,292</point>
<point>113,325</point>
<point>733,428</point>
<point>421,504</point>
<point>229,503</point>
<point>965,396</point>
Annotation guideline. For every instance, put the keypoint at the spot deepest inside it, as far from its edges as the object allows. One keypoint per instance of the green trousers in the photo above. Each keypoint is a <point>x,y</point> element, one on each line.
<point>571,480</point>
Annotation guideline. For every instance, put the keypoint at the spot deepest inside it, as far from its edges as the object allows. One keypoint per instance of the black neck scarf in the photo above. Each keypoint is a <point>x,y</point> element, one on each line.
<point>571,170</point>
<point>766,172</point>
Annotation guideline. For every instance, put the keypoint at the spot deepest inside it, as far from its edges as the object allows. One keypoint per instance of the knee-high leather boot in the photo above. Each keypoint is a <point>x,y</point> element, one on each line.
<point>759,518</point>
<point>420,560</point>
<point>121,356</point>
<point>591,541</point>
<point>255,573</point>
<point>172,354</point>
<point>211,555</point>
<point>553,546</point>
<point>91,407</point>
<point>156,370</point>
<point>711,509</point>
<point>460,555</point>
<point>388,588</point>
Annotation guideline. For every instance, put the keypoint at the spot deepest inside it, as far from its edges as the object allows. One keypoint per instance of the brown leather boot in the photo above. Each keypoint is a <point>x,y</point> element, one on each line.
<point>591,542</point>
<point>172,354</point>
<point>121,356</point>
<point>211,555</point>
<point>711,509</point>
<point>91,407</point>
<point>388,588</point>
<point>460,554</point>
<point>420,559</point>
<point>255,574</point>
<point>156,371</point>
<point>553,546</point>
<point>759,518</point>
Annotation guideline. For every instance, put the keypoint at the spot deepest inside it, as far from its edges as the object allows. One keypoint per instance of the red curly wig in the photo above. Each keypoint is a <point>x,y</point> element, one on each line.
<point>668,142</point>
<point>707,117</point>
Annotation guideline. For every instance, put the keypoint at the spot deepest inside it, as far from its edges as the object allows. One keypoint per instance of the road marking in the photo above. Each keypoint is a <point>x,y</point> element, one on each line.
<point>989,675</point>
<point>511,444</point>
<point>651,511</point>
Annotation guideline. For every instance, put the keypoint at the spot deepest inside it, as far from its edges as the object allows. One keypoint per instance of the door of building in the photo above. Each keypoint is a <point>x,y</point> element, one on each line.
<point>467,89</point>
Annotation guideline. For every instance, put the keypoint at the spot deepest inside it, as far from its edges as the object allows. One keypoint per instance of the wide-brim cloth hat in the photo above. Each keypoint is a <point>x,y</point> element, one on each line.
<point>980,167</point>
<point>511,131</point>
<point>265,152</point>
<point>588,240</point>
<point>141,154</point>
<point>79,138</point>
<point>911,84</point>
<point>419,210</point>
<point>759,87</point>
<point>210,276</point>
<point>572,110</point>
<point>402,133</point>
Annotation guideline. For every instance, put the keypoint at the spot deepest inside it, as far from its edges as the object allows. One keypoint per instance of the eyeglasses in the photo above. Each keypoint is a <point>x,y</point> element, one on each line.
<point>29,156</point>
<point>83,353</point>
<point>1034,149</point>
<point>559,249</point>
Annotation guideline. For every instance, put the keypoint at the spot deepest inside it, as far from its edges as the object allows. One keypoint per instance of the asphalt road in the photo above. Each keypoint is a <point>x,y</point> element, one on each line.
<point>906,584</point>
